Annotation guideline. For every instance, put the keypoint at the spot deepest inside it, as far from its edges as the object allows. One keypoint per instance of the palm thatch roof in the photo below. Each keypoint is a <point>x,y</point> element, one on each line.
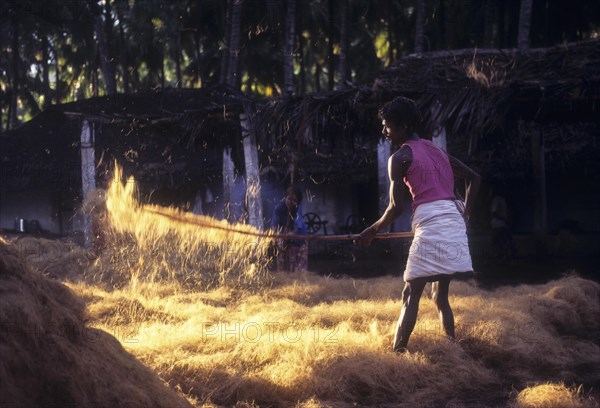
<point>477,89</point>
<point>329,137</point>
<point>478,95</point>
<point>162,137</point>
<point>473,90</point>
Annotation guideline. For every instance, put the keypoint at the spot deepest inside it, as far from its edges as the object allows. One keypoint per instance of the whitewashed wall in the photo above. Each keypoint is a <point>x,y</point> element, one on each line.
<point>30,205</point>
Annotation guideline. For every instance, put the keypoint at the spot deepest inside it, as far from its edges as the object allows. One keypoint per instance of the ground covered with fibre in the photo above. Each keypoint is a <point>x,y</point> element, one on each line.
<point>302,340</point>
<point>52,357</point>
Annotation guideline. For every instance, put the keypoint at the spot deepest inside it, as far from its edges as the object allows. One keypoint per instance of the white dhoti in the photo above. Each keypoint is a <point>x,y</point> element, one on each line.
<point>439,248</point>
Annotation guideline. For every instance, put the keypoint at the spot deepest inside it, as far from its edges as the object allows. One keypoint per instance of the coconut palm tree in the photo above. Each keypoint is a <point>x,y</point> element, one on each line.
<point>288,55</point>
<point>343,66</point>
<point>524,24</point>
<point>103,28</point>
<point>420,27</point>
<point>234,43</point>
<point>488,36</point>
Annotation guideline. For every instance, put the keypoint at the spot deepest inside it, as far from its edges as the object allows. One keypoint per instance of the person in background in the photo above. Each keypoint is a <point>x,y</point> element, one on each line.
<point>292,254</point>
<point>439,251</point>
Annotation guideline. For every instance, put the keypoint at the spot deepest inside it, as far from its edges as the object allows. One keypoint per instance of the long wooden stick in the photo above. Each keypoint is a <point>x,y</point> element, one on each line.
<point>347,237</point>
<point>270,234</point>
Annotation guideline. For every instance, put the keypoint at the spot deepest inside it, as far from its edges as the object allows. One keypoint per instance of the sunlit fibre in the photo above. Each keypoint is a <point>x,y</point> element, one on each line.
<point>153,243</point>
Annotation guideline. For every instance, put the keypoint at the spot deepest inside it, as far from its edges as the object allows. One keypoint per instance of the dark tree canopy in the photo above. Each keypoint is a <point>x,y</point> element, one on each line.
<point>55,51</point>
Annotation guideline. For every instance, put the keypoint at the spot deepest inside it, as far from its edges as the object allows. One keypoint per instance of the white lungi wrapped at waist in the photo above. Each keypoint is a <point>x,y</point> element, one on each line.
<point>440,245</point>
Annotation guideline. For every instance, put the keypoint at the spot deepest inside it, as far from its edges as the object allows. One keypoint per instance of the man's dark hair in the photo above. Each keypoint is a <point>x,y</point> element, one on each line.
<point>401,112</point>
<point>296,191</point>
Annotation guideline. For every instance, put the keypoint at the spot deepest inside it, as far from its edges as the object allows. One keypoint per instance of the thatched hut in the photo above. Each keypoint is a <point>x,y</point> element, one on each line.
<point>171,141</point>
<point>522,118</point>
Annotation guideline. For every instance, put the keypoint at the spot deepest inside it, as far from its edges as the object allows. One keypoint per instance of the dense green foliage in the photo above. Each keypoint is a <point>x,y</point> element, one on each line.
<point>56,51</point>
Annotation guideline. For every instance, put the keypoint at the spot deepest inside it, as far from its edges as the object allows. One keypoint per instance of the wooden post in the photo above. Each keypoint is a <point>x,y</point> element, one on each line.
<point>439,137</point>
<point>253,187</point>
<point>540,224</point>
<point>383,154</point>
<point>228,183</point>
<point>88,177</point>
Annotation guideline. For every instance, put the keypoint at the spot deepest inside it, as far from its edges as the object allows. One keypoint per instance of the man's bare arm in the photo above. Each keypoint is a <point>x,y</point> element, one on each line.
<point>396,199</point>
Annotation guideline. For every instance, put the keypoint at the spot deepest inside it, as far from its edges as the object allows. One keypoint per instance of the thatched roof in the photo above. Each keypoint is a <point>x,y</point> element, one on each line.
<point>474,90</point>
<point>155,107</point>
<point>162,136</point>
<point>478,95</point>
<point>478,89</point>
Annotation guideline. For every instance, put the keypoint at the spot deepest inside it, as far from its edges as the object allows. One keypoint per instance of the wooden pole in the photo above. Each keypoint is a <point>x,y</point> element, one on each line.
<point>348,237</point>
<point>383,180</point>
<point>206,222</point>
<point>228,184</point>
<point>253,186</point>
<point>88,177</point>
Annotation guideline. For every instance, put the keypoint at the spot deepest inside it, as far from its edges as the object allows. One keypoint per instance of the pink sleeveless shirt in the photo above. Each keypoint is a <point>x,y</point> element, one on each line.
<point>429,177</point>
